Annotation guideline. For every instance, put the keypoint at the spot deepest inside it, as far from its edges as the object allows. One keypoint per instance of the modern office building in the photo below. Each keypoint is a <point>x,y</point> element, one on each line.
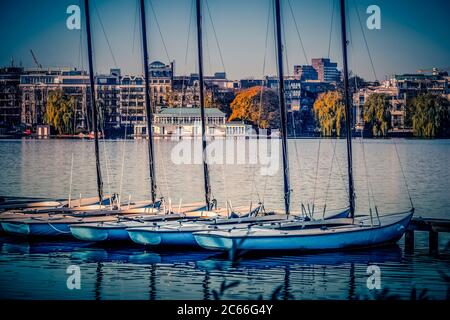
<point>305,72</point>
<point>320,69</point>
<point>326,70</point>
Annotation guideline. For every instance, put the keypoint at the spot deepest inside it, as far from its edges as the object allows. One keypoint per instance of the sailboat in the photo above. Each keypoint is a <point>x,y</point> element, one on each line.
<point>181,233</point>
<point>56,221</point>
<point>116,230</point>
<point>43,204</point>
<point>206,214</point>
<point>311,236</point>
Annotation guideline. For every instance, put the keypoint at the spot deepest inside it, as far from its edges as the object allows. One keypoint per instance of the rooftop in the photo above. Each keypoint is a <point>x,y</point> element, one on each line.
<point>191,112</point>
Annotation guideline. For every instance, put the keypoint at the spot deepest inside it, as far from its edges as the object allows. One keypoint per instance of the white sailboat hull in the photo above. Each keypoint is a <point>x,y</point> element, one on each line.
<point>182,235</point>
<point>117,231</point>
<point>101,232</point>
<point>338,238</point>
<point>36,229</point>
<point>59,225</point>
<point>166,236</point>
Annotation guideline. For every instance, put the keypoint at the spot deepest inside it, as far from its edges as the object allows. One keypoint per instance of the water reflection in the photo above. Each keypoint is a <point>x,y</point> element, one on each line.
<point>98,281</point>
<point>152,285</point>
<point>25,172</point>
<point>38,270</point>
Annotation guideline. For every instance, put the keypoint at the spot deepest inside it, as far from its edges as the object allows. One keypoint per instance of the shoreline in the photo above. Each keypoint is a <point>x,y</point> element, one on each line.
<point>12,137</point>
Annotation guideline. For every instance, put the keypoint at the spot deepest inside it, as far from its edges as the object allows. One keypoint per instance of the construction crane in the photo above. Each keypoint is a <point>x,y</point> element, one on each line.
<point>434,71</point>
<point>35,60</point>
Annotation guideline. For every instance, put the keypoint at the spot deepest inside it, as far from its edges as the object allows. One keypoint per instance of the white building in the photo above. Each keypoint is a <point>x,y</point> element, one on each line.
<point>186,122</point>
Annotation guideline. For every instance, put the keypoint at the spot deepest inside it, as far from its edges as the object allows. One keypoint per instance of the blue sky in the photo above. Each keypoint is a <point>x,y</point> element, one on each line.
<point>414,35</point>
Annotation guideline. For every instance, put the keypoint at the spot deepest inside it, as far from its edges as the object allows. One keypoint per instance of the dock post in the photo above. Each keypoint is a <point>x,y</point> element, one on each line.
<point>433,242</point>
<point>409,240</point>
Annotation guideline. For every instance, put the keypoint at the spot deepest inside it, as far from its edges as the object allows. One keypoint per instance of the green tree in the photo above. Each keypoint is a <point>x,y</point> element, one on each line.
<point>430,116</point>
<point>329,110</point>
<point>60,111</point>
<point>258,106</point>
<point>377,114</point>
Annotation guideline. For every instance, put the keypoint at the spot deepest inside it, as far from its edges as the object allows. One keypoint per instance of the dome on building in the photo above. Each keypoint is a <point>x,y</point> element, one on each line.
<point>157,64</point>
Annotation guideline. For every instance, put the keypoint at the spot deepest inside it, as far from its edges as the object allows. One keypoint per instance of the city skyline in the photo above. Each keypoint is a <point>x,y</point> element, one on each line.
<point>241,35</point>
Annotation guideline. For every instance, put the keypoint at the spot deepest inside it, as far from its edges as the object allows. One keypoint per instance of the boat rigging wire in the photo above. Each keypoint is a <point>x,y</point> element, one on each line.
<point>70,183</point>
<point>207,52</point>
<point>105,35</point>
<point>298,31</point>
<point>164,172</point>
<point>215,36</point>
<point>92,95</point>
<point>362,137</point>
<point>253,170</point>
<point>80,53</point>
<point>365,41</point>
<point>159,30</point>
<point>403,174</point>
<point>183,86</point>
<point>123,151</point>
<point>105,154</point>
<point>287,64</point>
<point>333,5</point>
<point>136,12</point>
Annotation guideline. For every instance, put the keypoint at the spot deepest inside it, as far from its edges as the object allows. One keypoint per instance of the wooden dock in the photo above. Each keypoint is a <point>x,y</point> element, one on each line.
<point>432,226</point>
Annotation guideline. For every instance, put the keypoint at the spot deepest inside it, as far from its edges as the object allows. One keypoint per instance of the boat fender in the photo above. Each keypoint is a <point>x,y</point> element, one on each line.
<point>323,228</point>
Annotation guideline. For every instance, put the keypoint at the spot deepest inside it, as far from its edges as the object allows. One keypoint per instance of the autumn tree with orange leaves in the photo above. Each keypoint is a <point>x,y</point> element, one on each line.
<point>247,106</point>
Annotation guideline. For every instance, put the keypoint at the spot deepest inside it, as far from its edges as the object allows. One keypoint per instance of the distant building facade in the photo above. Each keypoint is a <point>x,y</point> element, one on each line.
<point>160,81</point>
<point>36,86</point>
<point>400,89</point>
<point>187,122</point>
<point>108,95</point>
<point>321,69</point>
<point>10,96</point>
<point>326,70</point>
<point>305,72</point>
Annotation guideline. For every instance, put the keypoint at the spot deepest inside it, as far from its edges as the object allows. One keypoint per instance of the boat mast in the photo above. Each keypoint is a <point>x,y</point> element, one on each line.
<point>148,106</point>
<point>347,111</point>
<point>93,102</point>
<point>287,190</point>
<point>202,103</point>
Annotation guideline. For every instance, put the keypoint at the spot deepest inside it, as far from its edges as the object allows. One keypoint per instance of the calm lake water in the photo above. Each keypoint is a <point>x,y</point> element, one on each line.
<point>42,168</point>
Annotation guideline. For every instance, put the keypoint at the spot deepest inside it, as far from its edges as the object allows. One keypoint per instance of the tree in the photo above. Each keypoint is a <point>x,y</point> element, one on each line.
<point>60,111</point>
<point>171,99</point>
<point>258,106</point>
<point>355,83</point>
<point>377,114</point>
<point>220,100</point>
<point>329,110</point>
<point>429,115</point>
